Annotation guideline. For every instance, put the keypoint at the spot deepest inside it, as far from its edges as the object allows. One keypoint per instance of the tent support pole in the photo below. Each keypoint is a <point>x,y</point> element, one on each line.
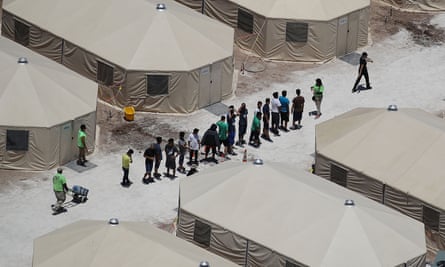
<point>247,253</point>
<point>383,194</point>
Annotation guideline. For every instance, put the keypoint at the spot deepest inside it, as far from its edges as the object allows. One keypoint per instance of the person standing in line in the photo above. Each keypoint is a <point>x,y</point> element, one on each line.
<point>317,90</point>
<point>171,152</point>
<point>82,145</point>
<point>210,141</point>
<point>363,71</point>
<point>194,142</point>
<point>182,146</point>
<point>158,156</point>
<point>254,139</point>
<point>242,124</point>
<point>266,120</point>
<point>259,105</point>
<point>276,105</point>
<point>297,110</point>
<point>149,155</point>
<point>60,188</point>
<point>284,111</point>
<point>222,135</point>
<point>126,161</point>
<point>231,122</point>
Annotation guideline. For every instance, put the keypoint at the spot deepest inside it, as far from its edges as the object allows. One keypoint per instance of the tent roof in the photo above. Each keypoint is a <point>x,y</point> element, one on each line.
<point>302,216</point>
<point>318,10</point>
<point>41,93</point>
<point>132,34</point>
<point>403,148</point>
<point>130,244</point>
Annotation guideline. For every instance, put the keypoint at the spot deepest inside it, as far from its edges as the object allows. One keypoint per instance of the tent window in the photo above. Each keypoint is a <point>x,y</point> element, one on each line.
<point>338,175</point>
<point>290,264</point>
<point>17,140</point>
<point>105,73</point>
<point>296,32</point>
<point>202,233</point>
<point>431,218</point>
<point>245,21</point>
<point>157,84</point>
<point>21,33</point>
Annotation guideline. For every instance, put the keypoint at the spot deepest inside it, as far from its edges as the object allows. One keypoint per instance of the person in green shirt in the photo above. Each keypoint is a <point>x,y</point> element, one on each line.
<point>223,129</point>
<point>126,160</point>
<point>82,145</point>
<point>255,130</point>
<point>317,91</point>
<point>60,188</point>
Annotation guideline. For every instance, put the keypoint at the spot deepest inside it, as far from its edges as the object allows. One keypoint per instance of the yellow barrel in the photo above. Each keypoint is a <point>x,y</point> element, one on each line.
<point>129,113</point>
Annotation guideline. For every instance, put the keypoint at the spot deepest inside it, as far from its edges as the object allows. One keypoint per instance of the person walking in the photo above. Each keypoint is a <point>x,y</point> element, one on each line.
<point>182,147</point>
<point>242,124</point>
<point>266,120</point>
<point>171,152</point>
<point>126,161</point>
<point>275,107</point>
<point>149,155</point>
<point>60,188</point>
<point>297,110</point>
<point>363,71</point>
<point>284,111</point>
<point>82,145</point>
<point>317,90</point>
<point>158,156</point>
<point>194,142</point>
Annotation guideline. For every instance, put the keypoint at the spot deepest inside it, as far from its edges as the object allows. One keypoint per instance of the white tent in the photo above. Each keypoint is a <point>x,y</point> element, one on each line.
<point>276,215</point>
<point>393,157</point>
<point>129,244</point>
<point>42,105</point>
<point>308,30</point>
<point>162,60</point>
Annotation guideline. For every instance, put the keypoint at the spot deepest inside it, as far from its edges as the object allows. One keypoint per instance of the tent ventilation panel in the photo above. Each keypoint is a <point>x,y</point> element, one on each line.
<point>113,221</point>
<point>22,60</point>
<point>161,7</point>
<point>392,108</point>
<point>349,202</point>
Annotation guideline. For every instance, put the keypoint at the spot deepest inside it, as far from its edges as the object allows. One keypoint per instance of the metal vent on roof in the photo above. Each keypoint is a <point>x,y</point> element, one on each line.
<point>349,202</point>
<point>392,108</point>
<point>22,60</point>
<point>161,7</point>
<point>204,264</point>
<point>113,221</point>
<point>258,162</point>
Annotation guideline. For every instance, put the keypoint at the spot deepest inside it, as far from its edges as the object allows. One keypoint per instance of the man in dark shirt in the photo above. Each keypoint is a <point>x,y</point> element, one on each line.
<point>149,156</point>
<point>266,120</point>
<point>297,110</point>
<point>158,156</point>
<point>363,71</point>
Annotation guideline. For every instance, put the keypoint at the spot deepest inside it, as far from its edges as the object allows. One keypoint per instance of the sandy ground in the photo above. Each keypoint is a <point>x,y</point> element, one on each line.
<point>407,71</point>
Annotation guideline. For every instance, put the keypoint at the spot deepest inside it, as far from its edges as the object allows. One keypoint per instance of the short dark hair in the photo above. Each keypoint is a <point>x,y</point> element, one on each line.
<point>130,151</point>
<point>275,94</point>
<point>171,140</point>
<point>181,134</point>
<point>223,118</point>
<point>284,92</point>
<point>298,91</point>
<point>159,139</point>
<point>83,127</point>
<point>195,130</point>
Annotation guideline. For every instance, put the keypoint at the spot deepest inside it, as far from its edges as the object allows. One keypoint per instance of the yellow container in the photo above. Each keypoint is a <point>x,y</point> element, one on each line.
<point>129,113</point>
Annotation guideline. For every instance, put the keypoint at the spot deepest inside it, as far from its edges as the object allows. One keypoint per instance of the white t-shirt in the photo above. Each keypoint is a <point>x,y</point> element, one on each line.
<point>194,141</point>
<point>275,105</point>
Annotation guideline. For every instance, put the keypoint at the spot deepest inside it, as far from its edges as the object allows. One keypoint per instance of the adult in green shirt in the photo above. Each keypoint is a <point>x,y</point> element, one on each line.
<point>317,91</point>
<point>223,129</point>
<point>82,145</point>
<point>60,188</point>
<point>126,160</point>
<point>255,130</point>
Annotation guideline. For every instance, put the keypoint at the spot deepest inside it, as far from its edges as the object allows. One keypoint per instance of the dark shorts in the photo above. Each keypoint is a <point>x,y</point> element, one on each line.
<point>224,142</point>
<point>231,138</point>
<point>148,166</point>
<point>275,118</point>
<point>157,164</point>
<point>298,115</point>
<point>170,163</point>
<point>284,116</point>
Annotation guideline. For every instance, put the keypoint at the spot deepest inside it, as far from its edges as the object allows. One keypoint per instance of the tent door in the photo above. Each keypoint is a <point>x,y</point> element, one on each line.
<point>66,143</point>
<point>353,26</point>
<point>215,83</point>
<point>204,87</point>
<point>347,34</point>
<point>342,36</point>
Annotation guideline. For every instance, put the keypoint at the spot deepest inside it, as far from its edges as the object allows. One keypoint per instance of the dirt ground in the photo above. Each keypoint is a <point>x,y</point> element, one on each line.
<point>384,21</point>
